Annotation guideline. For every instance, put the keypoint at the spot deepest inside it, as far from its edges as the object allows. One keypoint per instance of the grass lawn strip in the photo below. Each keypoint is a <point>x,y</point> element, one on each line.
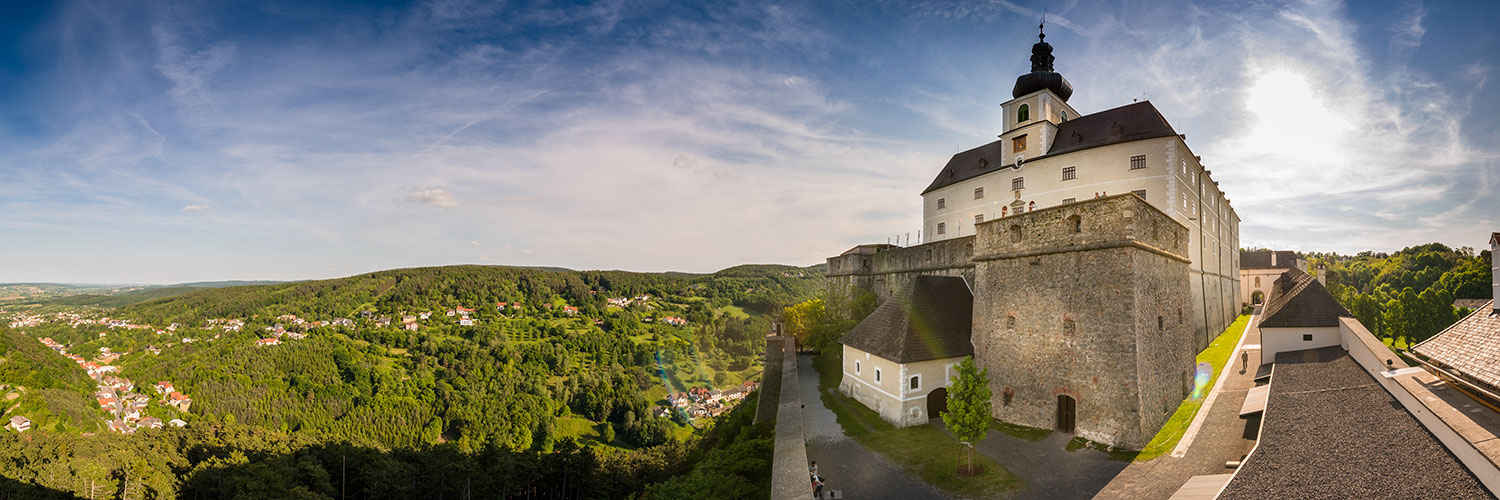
<point>1217,354</point>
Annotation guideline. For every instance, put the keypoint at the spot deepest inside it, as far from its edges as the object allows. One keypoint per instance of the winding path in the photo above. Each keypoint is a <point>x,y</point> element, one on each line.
<point>843,462</point>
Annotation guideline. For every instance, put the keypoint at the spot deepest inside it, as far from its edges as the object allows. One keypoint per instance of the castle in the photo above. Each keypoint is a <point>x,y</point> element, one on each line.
<point>1111,259</point>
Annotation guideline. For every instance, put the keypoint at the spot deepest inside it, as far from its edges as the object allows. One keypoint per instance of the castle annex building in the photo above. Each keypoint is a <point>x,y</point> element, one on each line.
<point>1099,254</point>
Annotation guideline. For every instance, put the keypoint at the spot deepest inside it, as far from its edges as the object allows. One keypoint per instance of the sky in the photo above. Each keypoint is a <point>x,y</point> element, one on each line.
<point>164,142</point>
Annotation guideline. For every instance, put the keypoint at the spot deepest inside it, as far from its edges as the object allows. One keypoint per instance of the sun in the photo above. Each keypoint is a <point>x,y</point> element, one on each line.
<point>1291,116</point>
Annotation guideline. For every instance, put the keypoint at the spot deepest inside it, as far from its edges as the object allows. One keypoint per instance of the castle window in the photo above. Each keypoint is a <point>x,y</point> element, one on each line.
<point>1003,211</point>
<point>877,374</point>
<point>929,255</point>
<point>1070,173</point>
<point>978,218</point>
<point>1069,200</point>
<point>1064,116</point>
<point>1307,337</point>
<point>942,228</point>
<point>1018,144</point>
<point>979,192</point>
<point>1069,326</point>
<point>1015,232</point>
<point>916,383</point>
<point>942,203</point>
<point>1010,322</point>
<point>1030,206</point>
<point>1137,162</point>
<point>1076,223</point>
<point>1018,183</point>
<point>1140,192</point>
<point>1179,315</point>
<point>1023,114</point>
<point>856,367</point>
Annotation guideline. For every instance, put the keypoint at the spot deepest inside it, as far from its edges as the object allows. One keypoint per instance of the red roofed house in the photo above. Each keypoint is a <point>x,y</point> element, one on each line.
<point>179,400</point>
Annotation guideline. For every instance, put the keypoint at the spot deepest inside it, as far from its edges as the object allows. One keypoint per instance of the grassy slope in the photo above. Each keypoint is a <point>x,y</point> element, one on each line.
<point>1217,354</point>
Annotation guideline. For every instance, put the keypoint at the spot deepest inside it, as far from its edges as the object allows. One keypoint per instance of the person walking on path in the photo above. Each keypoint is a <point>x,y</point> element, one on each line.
<point>1244,360</point>
<point>817,484</point>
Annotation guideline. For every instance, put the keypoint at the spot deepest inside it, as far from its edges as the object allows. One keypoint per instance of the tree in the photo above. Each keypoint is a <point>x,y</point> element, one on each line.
<point>969,407</point>
<point>608,434</point>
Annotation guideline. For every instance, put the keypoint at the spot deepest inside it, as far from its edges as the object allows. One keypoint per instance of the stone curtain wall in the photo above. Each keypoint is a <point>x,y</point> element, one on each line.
<point>1068,303</point>
<point>883,269</point>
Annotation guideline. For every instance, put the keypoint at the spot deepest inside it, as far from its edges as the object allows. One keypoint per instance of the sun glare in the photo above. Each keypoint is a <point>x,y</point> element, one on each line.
<point>1292,117</point>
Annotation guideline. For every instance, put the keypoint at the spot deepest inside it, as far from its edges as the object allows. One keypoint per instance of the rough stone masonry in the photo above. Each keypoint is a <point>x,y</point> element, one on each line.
<point>1082,312</point>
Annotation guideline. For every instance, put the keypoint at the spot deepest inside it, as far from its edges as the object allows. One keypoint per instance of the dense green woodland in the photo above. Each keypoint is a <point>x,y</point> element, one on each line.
<point>731,460</point>
<point>1407,295</point>
<point>497,401</point>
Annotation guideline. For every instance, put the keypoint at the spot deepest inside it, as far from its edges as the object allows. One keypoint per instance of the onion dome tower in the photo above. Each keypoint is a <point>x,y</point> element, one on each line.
<point>1042,76</point>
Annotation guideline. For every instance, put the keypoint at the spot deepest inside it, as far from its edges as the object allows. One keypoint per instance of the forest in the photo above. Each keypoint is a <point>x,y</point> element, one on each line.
<point>1407,296</point>
<point>533,382</point>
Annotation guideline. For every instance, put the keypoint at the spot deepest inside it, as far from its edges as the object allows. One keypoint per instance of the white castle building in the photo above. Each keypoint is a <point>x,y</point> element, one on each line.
<point>1050,154</point>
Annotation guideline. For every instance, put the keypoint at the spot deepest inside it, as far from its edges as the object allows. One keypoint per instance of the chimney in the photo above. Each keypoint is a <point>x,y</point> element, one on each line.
<point>1273,258</point>
<point>1322,276</point>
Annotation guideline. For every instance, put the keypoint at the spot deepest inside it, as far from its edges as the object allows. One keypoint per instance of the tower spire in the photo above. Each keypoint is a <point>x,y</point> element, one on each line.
<point>1042,73</point>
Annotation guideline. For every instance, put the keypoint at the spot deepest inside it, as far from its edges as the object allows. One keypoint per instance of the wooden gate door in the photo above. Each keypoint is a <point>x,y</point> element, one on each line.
<point>1066,413</point>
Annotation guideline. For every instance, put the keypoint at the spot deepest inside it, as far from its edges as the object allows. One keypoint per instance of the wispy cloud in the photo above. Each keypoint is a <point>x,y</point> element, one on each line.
<point>658,138</point>
<point>435,196</point>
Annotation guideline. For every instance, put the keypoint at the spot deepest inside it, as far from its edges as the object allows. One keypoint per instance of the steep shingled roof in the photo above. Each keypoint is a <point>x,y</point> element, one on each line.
<point>1471,346</point>
<point>1331,431</point>
<point>1261,259</point>
<point>930,318</point>
<point>1132,122</point>
<point>1297,299</point>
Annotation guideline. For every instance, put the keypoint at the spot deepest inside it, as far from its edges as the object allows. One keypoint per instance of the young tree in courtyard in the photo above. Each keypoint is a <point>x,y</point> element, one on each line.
<point>968,414</point>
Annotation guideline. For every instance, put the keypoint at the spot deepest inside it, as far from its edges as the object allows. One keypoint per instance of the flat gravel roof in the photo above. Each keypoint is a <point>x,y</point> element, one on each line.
<point>1331,431</point>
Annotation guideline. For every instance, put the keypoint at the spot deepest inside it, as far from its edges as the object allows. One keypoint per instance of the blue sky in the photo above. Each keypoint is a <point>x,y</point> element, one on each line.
<point>156,142</point>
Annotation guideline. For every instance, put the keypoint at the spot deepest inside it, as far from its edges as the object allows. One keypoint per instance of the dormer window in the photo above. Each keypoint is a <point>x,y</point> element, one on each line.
<point>1023,114</point>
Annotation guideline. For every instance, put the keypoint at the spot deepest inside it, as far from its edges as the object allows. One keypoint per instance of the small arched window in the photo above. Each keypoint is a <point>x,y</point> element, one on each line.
<point>1003,210</point>
<point>1023,114</point>
<point>1076,223</point>
<point>1031,206</point>
<point>1064,116</point>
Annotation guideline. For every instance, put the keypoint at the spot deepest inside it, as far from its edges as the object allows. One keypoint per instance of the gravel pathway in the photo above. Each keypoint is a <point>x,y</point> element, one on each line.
<point>843,462</point>
<point>1049,469</point>
<point>1224,436</point>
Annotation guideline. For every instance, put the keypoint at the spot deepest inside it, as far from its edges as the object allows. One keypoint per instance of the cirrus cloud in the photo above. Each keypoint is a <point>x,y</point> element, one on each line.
<point>432,195</point>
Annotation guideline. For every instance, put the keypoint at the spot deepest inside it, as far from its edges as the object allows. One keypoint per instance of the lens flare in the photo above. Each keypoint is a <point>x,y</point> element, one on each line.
<point>1204,374</point>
